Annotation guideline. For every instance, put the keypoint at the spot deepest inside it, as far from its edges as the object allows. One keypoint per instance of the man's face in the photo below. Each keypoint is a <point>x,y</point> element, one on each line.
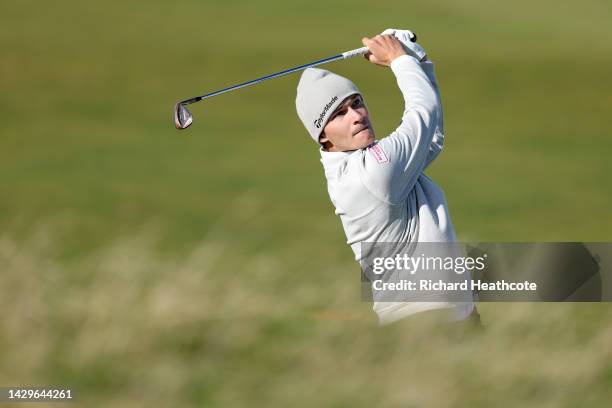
<point>349,127</point>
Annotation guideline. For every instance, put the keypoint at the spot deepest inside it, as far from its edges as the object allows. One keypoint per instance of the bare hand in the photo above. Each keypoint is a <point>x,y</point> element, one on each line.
<point>383,49</point>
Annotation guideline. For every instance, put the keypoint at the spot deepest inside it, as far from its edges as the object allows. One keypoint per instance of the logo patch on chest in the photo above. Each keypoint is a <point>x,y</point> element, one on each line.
<point>379,154</point>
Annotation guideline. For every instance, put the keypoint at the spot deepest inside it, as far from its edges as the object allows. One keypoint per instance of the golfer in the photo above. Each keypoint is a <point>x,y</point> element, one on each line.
<point>378,187</point>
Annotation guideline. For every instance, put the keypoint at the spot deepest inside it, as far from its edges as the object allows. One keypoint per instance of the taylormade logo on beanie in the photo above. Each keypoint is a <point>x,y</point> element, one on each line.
<point>319,94</point>
<point>318,122</point>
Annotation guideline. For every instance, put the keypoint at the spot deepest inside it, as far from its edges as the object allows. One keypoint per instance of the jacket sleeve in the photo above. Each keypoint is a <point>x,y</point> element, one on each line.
<point>437,143</point>
<point>389,168</point>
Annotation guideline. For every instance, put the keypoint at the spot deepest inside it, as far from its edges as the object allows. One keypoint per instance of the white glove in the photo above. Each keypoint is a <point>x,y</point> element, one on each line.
<point>407,38</point>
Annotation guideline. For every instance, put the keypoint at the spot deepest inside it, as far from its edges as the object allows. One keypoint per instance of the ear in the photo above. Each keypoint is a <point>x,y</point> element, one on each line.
<point>323,139</point>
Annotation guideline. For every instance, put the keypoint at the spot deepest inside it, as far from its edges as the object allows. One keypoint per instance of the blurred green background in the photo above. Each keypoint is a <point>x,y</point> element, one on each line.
<point>143,266</point>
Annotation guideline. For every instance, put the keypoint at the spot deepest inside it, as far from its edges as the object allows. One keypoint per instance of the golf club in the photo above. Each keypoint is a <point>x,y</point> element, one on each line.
<point>183,117</point>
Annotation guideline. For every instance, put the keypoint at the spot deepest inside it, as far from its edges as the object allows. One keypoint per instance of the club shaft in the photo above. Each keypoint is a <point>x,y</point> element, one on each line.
<point>348,54</point>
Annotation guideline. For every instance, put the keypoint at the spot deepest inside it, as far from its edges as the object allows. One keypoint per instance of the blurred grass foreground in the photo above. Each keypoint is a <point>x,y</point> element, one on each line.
<point>142,266</point>
<point>125,326</point>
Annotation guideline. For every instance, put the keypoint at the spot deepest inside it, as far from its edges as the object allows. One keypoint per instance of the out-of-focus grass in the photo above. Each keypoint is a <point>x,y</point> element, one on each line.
<point>125,326</point>
<point>147,266</point>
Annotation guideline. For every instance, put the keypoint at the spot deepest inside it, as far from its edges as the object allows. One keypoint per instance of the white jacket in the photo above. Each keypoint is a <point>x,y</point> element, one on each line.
<point>381,193</point>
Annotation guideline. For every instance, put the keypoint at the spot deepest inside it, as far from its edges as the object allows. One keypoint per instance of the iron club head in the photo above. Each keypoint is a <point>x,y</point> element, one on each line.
<point>182,117</point>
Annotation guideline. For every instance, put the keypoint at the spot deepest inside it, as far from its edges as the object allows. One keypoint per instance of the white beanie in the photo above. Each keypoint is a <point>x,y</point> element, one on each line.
<point>319,94</point>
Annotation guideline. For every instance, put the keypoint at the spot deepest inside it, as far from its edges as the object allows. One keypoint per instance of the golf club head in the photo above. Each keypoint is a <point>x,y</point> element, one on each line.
<point>182,117</point>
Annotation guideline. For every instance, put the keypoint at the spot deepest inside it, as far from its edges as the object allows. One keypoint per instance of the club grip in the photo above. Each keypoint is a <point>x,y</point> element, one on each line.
<point>355,52</point>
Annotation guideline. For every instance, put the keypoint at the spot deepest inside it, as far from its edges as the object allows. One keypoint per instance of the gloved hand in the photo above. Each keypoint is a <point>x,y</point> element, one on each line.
<point>408,40</point>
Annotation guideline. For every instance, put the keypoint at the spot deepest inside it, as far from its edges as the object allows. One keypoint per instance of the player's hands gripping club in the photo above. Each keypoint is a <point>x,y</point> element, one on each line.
<point>383,49</point>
